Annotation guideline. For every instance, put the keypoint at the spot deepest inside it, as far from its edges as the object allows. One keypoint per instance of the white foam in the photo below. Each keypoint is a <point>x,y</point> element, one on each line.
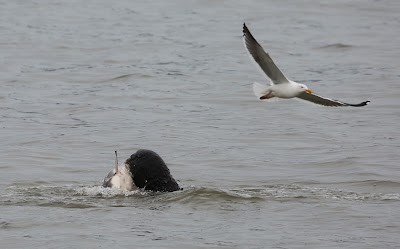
<point>105,192</point>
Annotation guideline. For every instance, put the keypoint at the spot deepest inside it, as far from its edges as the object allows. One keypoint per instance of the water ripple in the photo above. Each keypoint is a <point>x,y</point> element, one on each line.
<point>336,46</point>
<point>71,196</point>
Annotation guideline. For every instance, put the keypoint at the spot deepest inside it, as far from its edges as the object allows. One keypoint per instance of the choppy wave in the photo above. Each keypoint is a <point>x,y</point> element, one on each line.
<point>339,46</point>
<point>202,195</point>
<point>71,196</point>
<point>280,193</point>
<point>126,77</point>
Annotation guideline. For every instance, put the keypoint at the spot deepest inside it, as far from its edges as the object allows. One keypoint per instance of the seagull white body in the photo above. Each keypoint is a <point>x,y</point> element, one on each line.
<point>288,90</point>
<point>281,86</point>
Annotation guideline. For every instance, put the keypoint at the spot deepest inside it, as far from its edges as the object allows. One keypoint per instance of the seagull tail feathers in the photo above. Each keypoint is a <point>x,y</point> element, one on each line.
<point>260,89</point>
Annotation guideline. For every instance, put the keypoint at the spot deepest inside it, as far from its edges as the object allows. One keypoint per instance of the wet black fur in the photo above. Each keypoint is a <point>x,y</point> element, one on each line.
<point>150,172</point>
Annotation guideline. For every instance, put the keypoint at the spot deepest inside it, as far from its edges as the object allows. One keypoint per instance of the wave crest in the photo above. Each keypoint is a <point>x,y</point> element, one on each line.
<point>71,196</point>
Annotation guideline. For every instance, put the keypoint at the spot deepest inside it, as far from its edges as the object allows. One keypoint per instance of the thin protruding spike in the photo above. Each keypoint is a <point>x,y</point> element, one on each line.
<point>116,162</point>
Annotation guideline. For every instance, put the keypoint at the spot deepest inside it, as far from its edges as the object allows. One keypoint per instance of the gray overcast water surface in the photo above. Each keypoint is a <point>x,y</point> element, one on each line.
<point>80,79</point>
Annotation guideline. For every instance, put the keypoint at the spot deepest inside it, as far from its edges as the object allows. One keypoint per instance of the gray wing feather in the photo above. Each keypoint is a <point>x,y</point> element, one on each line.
<point>326,101</point>
<point>262,58</point>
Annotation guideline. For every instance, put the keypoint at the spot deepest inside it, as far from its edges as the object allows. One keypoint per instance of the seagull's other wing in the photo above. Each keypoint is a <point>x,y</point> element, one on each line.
<point>262,58</point>
<point>326,101</point>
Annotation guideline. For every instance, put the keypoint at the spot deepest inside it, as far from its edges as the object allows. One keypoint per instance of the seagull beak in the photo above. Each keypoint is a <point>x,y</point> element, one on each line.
<point>309,91</point>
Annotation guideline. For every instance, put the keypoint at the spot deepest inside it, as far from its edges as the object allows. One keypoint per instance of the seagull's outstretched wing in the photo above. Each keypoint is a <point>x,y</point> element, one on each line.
<point>262,58</point>
<point>326,101</point>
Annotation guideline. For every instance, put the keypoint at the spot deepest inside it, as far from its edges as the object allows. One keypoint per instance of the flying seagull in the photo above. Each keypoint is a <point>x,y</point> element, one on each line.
<point>281,86</point>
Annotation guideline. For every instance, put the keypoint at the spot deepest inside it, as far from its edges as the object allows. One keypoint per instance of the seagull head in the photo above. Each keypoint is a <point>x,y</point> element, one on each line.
<point>303,88</point>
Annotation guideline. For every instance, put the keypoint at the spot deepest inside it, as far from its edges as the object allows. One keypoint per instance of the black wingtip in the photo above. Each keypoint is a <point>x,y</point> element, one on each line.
<point>366,102</point>
<point>361,104</point>
<point>245,29</point>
